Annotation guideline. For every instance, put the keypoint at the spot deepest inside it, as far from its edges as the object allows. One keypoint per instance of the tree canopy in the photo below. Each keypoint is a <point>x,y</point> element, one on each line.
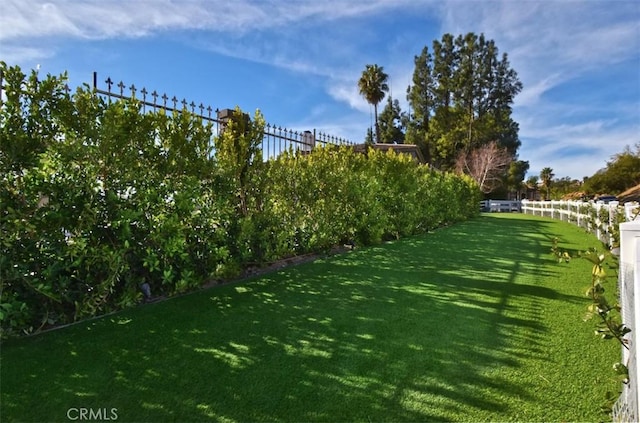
<point>461,97</point>
<point>373,86</point>
<point>460,100</point>
<point>391,123</point>
<point>621,173</point>
<point>546,176</point>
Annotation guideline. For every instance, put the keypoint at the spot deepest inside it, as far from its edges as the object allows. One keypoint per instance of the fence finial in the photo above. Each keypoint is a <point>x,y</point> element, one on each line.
<point>285,137</point>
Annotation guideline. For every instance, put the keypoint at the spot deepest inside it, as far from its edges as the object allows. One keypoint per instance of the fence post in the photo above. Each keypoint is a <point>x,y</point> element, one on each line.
<point>631,211</point>
<point>626,408</point>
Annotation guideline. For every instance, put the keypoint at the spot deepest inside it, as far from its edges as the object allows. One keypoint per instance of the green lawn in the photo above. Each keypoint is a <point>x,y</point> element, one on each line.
<point>474,322</point>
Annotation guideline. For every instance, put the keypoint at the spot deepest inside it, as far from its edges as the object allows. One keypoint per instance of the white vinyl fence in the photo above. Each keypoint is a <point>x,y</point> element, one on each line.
<point>613,224</point>
<point>601,219</point>
<point>626,408</point>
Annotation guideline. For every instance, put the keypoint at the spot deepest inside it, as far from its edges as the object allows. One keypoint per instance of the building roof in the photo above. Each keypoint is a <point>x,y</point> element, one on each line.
<point>632,194</point>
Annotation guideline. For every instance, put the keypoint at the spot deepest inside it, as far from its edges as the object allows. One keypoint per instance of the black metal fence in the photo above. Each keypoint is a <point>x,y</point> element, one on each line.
<point>276,138</point>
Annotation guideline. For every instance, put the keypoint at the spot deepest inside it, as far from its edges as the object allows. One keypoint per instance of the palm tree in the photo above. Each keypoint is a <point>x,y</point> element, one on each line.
<point>546,175</point>
<point>373,85</point>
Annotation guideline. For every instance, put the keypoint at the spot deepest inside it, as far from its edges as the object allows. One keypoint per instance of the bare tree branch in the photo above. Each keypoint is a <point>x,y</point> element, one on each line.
<point>486,165</point>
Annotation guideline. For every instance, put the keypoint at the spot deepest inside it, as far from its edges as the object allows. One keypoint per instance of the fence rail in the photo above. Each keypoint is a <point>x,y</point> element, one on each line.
<point>276,139</point>
<point>601,219</point>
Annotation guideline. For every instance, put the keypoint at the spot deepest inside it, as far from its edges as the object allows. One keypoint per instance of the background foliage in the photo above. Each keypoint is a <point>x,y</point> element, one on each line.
<point>621,173</point>
<point>461,96</point>
<point>97,198</point>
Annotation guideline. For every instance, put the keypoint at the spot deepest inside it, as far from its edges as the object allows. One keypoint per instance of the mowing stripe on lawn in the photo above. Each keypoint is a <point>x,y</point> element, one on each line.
<point>472,322</point>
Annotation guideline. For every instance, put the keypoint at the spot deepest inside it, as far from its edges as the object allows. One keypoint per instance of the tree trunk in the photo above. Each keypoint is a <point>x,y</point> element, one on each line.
<point>375,114</point>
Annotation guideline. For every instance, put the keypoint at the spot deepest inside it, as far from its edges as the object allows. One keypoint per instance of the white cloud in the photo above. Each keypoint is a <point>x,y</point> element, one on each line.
<point>576,150</point>
<point>530,95</point>
<point>550,43</point>
<point>21,54</point>
<point>545,39</point>
<point>105,19</point>
<point>34,18</point>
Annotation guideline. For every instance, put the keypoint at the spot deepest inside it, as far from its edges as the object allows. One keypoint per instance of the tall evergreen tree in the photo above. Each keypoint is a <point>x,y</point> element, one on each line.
<point>373,86</point>
<point>369,137</point>
<point>515,177</point>
<point>444,124</point>
<point>466,83</point>
<point>505,87</point>
<point>420,96</point>
<point>464,102</point>
<point>391,123</point>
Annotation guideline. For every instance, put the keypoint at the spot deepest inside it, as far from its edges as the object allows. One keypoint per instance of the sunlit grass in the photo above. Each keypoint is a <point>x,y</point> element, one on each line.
<point>473,322</point>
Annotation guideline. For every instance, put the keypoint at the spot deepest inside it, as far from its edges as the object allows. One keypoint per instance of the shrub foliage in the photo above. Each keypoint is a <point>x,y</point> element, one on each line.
<point>97,198</point>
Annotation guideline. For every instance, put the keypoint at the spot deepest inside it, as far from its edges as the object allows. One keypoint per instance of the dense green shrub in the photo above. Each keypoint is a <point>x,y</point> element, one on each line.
<point>98,198</point>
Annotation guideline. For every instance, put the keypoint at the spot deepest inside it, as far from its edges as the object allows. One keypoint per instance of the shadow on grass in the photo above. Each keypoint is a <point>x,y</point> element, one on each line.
<point>416,330</point>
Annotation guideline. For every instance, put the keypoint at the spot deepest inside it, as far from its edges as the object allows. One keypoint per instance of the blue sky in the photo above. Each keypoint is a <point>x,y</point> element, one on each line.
<point>299,61</point>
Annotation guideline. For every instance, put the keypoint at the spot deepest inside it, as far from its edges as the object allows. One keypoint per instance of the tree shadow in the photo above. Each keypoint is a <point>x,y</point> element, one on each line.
<point>417,330</point>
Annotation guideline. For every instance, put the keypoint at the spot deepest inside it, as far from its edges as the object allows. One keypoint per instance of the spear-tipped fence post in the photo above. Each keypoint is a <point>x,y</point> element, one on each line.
<point>143,91</point>
<point>154,94</point>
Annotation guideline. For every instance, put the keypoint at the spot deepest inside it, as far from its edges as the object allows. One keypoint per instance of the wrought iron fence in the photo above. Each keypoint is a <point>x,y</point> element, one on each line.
<point>276,139</point>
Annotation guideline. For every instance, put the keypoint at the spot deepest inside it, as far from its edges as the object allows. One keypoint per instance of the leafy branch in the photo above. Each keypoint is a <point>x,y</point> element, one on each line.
<point>610,325</point>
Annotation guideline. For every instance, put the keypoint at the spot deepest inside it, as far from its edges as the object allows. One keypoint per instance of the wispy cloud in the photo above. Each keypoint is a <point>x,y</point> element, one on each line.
<point>551,43</point>
<point>530,95</point>
<point>296,30</point>
<point>34,18</point>
<point>95,20</point>
<point>579,149</point>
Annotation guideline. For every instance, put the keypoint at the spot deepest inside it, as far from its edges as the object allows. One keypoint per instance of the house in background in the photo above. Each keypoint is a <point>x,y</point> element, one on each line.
<point>532,192</point>
<point>632,194</point>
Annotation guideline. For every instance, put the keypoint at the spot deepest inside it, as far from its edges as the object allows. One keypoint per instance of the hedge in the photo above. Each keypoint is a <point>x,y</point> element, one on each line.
<point>98,198</point>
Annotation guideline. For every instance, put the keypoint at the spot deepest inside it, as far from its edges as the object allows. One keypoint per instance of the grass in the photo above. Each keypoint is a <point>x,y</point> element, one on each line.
<point>475,322</point>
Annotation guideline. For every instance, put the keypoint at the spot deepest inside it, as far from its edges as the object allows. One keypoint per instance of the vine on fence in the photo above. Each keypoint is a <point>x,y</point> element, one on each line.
<point>609,325</point>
